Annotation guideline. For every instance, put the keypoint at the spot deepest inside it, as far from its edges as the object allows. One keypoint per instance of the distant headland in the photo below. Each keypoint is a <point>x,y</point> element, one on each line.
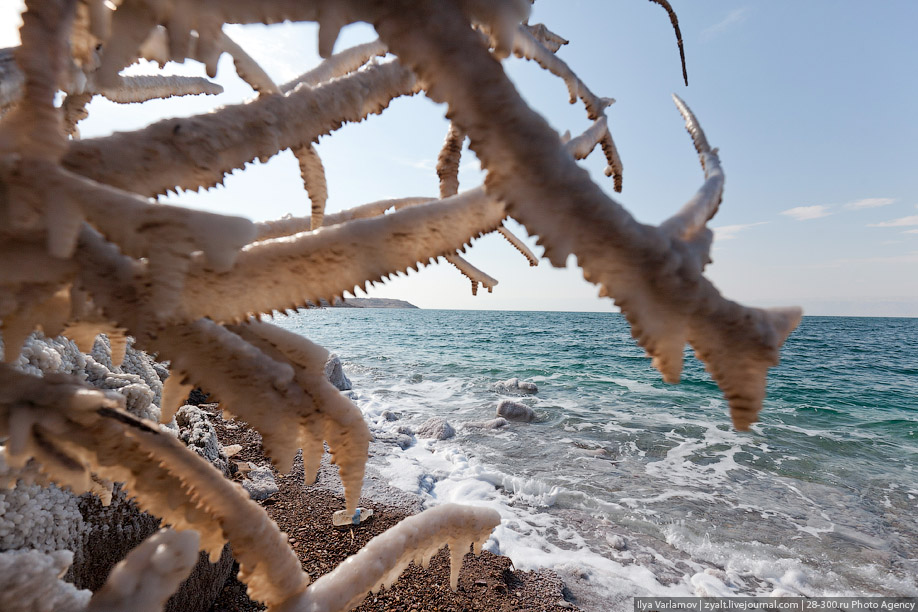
<point>363,303</point>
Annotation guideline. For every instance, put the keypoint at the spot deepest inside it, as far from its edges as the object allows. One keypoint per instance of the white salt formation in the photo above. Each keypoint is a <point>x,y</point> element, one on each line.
<point>83,251</point>
<point>437,428</point>
<point>515,411</point>
<point>260,483</point>
<point>30,580</point>
<point>515,386</point>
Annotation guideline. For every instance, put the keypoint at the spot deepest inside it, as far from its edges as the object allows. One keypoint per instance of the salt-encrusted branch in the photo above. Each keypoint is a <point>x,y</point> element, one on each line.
<point>519,245</point>
<point>448,161</point>
<point>71,430</point>
<point>339,422</point>
<point>74,109</point>
<point>528,46</point>
<point>289,225</point>
<point>338,65</point>
<point>81,89</point>
<point>691,219</point>
<point>131,89</point>
<point>313,175</point>
<point>286,273</point>
<point>549,39</point>
<point>380,562</point>
<point>598,133</point>
<point>654,280</point>
<point>246,67</point>
<point>195,152</point>
<point>282,393</point>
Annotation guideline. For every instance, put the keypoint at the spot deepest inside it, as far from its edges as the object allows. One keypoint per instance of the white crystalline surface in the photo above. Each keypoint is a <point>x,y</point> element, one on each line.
<point>29,581</point>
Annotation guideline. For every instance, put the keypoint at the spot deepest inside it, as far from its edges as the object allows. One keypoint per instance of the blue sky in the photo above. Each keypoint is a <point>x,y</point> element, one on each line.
<point>812,105</point>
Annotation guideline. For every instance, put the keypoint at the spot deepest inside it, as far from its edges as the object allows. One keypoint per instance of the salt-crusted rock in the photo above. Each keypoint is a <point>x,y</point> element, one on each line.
<point>495,423</point>
<point>616,541</point>
<point>198,434</point>
<point>29,581</point>
<point>514,386</point>
<point>35,517</point>
<point>388,415</point>
<point>260,483</point>
<point>515,411</point>
<point>437,428</point>
<point>399,439</point>
<point>334,372</point>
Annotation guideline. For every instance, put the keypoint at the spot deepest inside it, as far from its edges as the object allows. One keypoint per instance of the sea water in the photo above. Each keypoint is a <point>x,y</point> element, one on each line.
<point>628,486</point>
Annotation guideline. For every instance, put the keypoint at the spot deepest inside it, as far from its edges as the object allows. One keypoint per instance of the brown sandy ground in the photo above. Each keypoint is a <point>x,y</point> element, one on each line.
<point>487,582</point>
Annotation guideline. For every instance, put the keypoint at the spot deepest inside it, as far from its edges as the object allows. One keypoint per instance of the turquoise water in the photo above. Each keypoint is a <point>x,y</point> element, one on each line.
<point>642,486</point>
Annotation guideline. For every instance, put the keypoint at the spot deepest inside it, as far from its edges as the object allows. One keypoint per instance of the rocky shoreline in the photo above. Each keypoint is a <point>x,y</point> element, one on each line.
<point>488,582</point>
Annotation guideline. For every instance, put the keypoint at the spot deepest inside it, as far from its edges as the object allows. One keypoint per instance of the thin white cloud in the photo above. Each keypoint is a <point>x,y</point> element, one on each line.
<point>900,222</point>
<point>805,213</point>
<point>869,203</point>
<point>914,231</point>
<point>733,18</point>
<point>729,232</point>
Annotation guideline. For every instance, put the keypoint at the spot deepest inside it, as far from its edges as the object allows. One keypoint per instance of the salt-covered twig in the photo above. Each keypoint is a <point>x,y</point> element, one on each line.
<point>131,89</point>
<point>289,225</point>
<point>448,161</point>
<point>472,273</point>
<point>380,562</point>
<point>246,67</point>
<point>519,245</point>
<point>549,39</point>
<point>528,46</point>
<point>598,133</point>
<point>313,175</point>
<point>338,65</point>
<point>196,152</point>
<point>692,218</point>
<point>123,89</point>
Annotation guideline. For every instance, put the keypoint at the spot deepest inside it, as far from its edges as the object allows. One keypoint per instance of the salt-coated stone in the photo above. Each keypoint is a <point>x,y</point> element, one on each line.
<point>388,415</point>
<point>436,428</point>
<point>260,483</point>
<point>616,541</point>
<point>199,435</point>
<point>334,372</point>
<point>29,581</point>
<point>495,423</point>
<point>514,386</point>
<point>515,411</point>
